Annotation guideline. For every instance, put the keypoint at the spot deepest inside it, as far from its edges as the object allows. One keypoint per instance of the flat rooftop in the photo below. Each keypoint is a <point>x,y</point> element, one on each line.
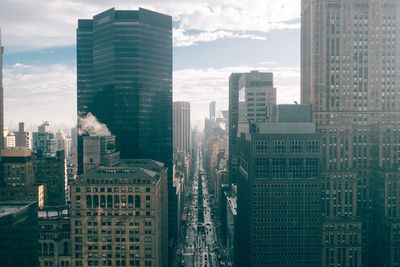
<point>7,208</point>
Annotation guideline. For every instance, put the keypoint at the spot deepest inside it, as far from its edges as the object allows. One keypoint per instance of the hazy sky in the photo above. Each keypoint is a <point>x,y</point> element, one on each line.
<point>212,38</point>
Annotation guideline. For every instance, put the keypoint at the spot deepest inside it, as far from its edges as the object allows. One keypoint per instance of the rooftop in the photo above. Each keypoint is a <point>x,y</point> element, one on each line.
<point>127,168</point>
<point>7,208</point>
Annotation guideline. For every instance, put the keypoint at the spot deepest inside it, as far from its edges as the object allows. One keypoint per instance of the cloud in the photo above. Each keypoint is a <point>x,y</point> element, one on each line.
<point>53,23</point>
<point>182,38</point>
<point>36,93</point>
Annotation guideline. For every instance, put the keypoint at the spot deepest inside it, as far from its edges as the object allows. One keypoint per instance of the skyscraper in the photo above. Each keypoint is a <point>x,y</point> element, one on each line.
<point>45,141</point>
<point>250,84</point>
<point>124,78</point>
<point>124,68</point>
<point>181,119</point>
<point>350,75</point>
<point>212,111</point>
<point>22,137</point>
<point>278,201</point>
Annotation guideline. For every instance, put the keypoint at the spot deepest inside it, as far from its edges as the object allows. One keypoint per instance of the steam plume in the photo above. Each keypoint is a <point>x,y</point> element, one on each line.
<point>91,126</point>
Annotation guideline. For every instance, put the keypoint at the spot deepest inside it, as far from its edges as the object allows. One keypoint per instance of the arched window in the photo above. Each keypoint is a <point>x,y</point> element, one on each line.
<point>45,251</point>
<point>102,201</point>
<point>65,248</point>
<point>95,201</point>
<point>88,201</point>
<point>51,252</point>
<point>130,201</point>
<point>137,201</point>
<point>46,263</point>
<point>109,202</point>
<point>116,201</point>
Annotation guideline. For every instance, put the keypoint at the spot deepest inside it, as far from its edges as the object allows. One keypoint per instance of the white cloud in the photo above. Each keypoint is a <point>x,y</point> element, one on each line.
<point>182,38</point>
<point>46,23</point>
<point>37,93</point>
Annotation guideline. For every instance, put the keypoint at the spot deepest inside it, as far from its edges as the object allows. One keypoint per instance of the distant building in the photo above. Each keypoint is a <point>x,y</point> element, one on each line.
<point>181,127</point>
<point>44,140</point>
<point>18,234</point>
<point>9,138</point>
<point>119,215</point>
<point>257,96</point>
<point>54,231</point>
<point>255,89</point>
<point>51,171</point>
<point>212,110</point>
<point>278,201</point>
<point>22,137</point>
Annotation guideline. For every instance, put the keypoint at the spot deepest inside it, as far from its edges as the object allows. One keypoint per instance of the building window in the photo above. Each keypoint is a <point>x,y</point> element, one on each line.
<point>311,168</point>
<point>262,147</point>
<point>313,146</point>
<point>296,147</point>
<point>278,147</point>
<point>295,168</point>
<point>88,201</point>
<point>278,168</point>
<point>261,168</point>
<point>137,201</point>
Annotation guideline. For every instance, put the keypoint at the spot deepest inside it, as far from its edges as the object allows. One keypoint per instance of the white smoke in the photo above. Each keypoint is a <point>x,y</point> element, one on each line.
<point>91,126</point>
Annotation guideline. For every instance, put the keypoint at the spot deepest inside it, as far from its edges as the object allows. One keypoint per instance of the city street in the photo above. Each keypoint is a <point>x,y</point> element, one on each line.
<point>199,245</point>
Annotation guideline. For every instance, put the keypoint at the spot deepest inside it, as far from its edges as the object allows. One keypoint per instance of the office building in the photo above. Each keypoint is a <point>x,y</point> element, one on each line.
<point>51,171</point>
<point>18,234</point>
<point>119,215</point>
<point>45,141</point>
<point>212,111</point>
<point>54,231</point>
<point>349,72</point>
<point>257,96</point>
<point>17,167</point>
<point>23,138</point>
<point>125,81</point>
<point>18,178</point>
<point>181,127</point>
<point>278,199</point>
<point>249,84</point>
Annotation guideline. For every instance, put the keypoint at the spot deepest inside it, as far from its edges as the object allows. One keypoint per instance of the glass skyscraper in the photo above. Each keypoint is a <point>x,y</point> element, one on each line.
<point>124,65</point>
<point>124,78</point>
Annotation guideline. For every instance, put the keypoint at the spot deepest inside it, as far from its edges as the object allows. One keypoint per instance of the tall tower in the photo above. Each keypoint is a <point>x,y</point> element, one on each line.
<point>124,78</point>
<point>212,110</point>
<point>181,119</point>
<point>350,74</point>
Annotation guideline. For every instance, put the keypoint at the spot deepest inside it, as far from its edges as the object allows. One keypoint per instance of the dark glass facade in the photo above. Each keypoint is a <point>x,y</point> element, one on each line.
<point>124,78</point>
<point>124,65</point>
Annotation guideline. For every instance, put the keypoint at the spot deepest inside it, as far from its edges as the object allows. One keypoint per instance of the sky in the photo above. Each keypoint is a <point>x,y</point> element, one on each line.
<point>211,39</point>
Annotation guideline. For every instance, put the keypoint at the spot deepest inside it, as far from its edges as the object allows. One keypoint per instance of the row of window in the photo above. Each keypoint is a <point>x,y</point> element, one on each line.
<point>113,189</point>
<point>282,146</point>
